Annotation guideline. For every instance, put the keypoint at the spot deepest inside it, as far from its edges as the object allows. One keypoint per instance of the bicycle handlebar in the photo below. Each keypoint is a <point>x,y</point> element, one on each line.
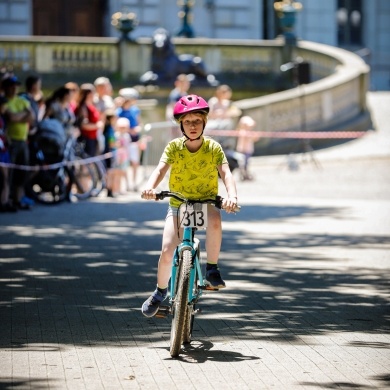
<point>217,201</point>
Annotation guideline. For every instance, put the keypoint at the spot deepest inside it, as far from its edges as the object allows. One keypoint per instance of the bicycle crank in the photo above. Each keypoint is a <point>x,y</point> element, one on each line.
<point>163,312</point>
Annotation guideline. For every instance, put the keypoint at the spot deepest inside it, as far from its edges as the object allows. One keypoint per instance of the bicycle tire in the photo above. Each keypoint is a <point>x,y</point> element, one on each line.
<point>188,325</point>
<point>190,315</point>
<point>100,177</point>
<point>83,180</point>
<point>180,305</point>
<point>97,168</point>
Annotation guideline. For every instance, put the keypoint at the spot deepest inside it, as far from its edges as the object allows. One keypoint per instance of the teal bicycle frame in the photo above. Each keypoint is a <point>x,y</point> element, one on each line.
<point>189,242</point>
<point>187,282</point>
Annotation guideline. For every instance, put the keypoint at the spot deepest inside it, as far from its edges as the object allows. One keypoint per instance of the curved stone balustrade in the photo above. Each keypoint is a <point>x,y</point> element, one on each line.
<point>335,100</point>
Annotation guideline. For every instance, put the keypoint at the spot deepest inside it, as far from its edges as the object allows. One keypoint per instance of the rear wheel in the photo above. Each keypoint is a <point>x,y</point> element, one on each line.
<point>180,306</point>
<point>49,186</point>
<point>83,179</point>
<point>100,176</point>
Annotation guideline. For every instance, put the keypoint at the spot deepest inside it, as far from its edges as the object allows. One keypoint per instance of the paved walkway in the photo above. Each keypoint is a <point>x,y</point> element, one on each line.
<point>307,264</point>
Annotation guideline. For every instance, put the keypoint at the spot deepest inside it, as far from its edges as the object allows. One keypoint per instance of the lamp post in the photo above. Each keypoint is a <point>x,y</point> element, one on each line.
<point>125,22</point>
<point>186,28</point>
<point>286,11</point>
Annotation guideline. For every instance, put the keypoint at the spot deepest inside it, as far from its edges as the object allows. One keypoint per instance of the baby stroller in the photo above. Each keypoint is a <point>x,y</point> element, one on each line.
<point>46,148</point>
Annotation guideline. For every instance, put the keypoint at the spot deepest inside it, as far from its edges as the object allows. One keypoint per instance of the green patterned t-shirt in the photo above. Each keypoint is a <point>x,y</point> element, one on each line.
<point>194,175</point>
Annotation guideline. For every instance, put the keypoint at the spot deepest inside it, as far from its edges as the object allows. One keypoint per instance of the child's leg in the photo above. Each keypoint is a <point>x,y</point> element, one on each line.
<point>213,234</point>
<point>110,175</point>
<point>127,178</point>
<point>134,167</point>
<point>4,185</point>
<point>213,277</point>
<point>170,241</point>
<point>116,180</point>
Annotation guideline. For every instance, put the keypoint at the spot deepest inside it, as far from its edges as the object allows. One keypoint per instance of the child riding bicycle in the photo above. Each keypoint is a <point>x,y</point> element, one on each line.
<point>195,162</point>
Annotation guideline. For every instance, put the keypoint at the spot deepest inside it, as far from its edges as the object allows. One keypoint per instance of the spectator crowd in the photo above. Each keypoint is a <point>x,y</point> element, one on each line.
<point>102,124</point>
<point>86,112</point>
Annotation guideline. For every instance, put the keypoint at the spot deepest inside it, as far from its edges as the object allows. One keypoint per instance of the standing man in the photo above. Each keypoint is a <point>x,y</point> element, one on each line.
<point>102,99</point>
<point>18,116</point>
<point>33,86</point>
<point>181,87</point>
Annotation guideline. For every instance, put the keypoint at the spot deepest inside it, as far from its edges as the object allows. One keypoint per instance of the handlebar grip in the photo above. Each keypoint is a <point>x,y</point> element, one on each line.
<point>160,195</point>
<point>219,201</point>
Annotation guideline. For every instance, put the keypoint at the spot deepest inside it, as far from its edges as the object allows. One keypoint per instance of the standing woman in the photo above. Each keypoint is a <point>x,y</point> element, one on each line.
<point>88,119</point>
<point>74,94</point>
<point>58,107</point>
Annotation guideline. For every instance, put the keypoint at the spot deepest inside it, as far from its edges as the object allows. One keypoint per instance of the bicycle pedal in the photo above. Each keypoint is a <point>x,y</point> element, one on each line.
<point>208,288</point>
<point>163,312</point>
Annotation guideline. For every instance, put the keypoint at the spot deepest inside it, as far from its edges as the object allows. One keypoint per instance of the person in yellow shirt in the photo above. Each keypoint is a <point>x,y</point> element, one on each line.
<point>18,116</point>
<point>195,162</point>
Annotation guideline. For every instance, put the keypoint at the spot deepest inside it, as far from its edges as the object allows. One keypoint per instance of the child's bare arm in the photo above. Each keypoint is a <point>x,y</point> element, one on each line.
<point>228,179</point>
<point>154,180</point>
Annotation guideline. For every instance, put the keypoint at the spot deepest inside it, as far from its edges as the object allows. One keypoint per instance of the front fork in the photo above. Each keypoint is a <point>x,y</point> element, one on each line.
<point>196,278</point>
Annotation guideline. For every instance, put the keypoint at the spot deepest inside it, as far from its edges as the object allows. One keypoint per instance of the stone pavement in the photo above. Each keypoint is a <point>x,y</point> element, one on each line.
<point>307,264</point>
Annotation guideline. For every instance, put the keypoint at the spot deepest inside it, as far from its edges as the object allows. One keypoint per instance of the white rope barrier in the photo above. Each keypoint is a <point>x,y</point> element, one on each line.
<point>48,167</point>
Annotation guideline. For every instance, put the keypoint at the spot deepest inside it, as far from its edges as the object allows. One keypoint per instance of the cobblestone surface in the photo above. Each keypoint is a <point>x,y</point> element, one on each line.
<point>307,264</point>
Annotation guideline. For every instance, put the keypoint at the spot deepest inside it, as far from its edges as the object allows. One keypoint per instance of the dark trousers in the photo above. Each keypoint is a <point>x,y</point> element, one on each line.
<point>19,154</point>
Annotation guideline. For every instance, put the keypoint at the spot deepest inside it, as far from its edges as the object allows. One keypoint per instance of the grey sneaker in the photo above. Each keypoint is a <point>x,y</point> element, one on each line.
<point>151,305</point>
<point>213,279</point>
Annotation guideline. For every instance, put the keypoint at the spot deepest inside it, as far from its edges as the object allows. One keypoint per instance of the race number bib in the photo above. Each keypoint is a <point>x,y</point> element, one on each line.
<point>193,215</point>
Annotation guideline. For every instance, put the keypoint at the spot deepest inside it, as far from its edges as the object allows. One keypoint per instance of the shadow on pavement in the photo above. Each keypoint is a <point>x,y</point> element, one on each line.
<point>24,383</point>
<point>200,351</point>
<point>78,274</point>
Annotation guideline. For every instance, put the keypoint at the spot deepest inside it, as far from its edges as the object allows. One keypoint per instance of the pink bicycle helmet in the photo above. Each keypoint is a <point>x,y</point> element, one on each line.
<point>190,103</point>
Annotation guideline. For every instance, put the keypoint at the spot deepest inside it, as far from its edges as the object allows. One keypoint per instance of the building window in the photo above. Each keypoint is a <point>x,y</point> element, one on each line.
<point>349,22</point>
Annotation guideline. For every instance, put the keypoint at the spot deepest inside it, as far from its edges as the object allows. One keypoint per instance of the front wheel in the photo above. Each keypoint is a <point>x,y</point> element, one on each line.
<point>180,308</point>
<point>188,325</point>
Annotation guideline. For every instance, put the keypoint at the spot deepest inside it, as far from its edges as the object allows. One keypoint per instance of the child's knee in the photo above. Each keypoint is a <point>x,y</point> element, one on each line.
<point>214,224</point>
<point>167,253</point>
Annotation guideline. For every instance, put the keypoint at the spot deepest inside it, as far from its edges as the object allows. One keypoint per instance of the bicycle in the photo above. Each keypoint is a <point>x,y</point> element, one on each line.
<point>187,281</point>
<point>68,177</point>
<point>96,171</point>
<point>96,168</point>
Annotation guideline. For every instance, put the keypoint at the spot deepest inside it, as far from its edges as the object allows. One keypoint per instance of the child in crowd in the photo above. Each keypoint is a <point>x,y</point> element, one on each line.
<point>246,143</point>
<point>122,154</point>
<point>194,162</point>
<point>130,110</point>
<point>111,146</point>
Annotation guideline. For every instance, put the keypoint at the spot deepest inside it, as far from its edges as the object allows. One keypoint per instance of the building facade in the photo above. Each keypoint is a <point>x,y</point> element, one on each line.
<point>361,26</point>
